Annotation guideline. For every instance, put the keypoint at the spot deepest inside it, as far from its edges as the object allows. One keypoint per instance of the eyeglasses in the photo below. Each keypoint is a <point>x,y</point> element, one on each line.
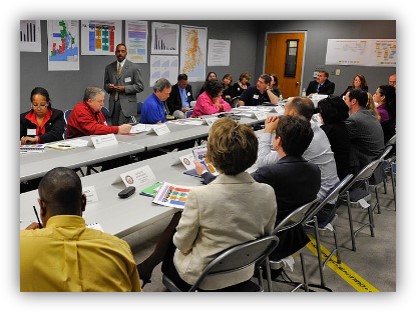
<point>41,105</point>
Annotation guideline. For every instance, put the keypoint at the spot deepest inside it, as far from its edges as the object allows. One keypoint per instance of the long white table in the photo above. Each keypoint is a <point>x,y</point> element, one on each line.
<point>35,165</point>
<point>121,216</point>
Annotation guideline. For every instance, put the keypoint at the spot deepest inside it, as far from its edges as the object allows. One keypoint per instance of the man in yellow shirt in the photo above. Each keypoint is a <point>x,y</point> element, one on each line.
<point>61,254</point>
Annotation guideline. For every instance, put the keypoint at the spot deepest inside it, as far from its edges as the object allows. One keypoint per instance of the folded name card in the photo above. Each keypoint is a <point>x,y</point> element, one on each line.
<point>100,141</point>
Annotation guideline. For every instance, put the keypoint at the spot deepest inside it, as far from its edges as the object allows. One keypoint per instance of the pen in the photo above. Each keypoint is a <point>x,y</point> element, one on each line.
<point>37,217</point>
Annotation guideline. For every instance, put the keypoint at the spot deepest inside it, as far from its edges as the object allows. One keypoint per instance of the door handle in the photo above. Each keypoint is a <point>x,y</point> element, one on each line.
<point>297,83</point>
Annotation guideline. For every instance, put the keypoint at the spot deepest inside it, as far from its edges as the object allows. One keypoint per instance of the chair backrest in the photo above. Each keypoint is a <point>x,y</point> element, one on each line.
<point>66,115</point>
<point>139,107</point>
<point>332,195</point>
<point>295,217</point>
<point>105,112</point>
<point>364,174</point>
<point>239,257</point>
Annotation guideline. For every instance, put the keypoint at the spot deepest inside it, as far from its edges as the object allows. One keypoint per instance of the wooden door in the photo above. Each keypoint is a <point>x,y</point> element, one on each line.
<point>276,61</point>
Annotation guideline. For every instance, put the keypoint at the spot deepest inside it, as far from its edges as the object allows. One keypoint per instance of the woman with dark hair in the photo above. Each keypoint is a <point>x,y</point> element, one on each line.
<point>334,112</point>
<point>385,97</point>
<point>358,82</point>
<point>210,101</point>
<point>217,216</point>
<point>42,123</point>
<point>274,85</point>
<point>227,82</point>
<point>211,76</point>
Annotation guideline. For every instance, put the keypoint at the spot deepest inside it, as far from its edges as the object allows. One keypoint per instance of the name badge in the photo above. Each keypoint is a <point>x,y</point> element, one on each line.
<point>255,96</point>
<point>188,94</point>
<point>31,132</point>
<point>127,79</point>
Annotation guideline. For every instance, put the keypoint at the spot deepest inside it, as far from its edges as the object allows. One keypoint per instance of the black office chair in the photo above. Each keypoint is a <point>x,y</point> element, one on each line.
<point>234,259</point>
<point>295,218</point>
<point>311,220</point>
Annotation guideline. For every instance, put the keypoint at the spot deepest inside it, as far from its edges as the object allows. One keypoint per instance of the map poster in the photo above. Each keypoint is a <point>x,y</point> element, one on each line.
<point>63,45</point>
<point>193,52</point>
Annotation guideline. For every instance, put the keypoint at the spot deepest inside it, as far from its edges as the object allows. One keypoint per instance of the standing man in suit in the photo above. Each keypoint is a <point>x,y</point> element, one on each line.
<point>122,81</point>
<point>366,134</point>
<point>321,85</point>
<point>179,101</point>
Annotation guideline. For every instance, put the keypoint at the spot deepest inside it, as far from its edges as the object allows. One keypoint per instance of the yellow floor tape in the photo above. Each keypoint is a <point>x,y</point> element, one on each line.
<point>344,271</point>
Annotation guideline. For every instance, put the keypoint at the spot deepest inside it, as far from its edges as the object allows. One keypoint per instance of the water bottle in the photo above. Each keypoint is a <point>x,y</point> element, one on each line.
<point>303,92</point>
<point>280,98</point>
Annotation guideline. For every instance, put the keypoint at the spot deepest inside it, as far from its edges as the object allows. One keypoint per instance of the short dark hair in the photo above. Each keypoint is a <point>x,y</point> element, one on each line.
<point>325,73</point>
<point>333,109</point>
<point>360,95</point>
<point>41,91</point>
<point>296,134</point>
<point>213,87</point>
<point>121,44</point>
<point>182,77</point>
<point>267,79</point>
<point>61,188</point>
<point>232,147</point>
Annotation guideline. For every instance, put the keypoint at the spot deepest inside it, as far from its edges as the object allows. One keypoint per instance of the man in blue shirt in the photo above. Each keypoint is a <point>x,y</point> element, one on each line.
<point>154,109</point>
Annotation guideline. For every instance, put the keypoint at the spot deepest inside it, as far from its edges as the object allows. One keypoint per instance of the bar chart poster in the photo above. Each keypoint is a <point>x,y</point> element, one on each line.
<point>100,37</point>
<point>30,36</point>
<point>63,45</point>
<point>136,33</point>
<point>165,38</point>
<point>194,52</point>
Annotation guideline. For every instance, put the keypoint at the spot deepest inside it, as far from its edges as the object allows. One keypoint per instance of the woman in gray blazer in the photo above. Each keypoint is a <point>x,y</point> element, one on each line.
<point>217,216</point>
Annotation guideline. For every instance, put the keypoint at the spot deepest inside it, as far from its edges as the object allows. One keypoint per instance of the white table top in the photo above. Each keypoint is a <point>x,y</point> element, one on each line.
<point>34,165</point>
<point>121,216</point>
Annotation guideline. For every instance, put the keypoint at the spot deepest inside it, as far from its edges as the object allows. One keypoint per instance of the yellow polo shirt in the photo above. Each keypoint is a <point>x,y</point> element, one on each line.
<point>67,256</point>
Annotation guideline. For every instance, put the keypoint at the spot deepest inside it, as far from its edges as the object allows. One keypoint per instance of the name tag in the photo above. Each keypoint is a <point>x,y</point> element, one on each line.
<point>90,193</point>
<point>104,140</point>
<point>255,96</point>
<point>188,94</point>
<point>31,132</point>
<point>260,115</point>
<point>127,79</point>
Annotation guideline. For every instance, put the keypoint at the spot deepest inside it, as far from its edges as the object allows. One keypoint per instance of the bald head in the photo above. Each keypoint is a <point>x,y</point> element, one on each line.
<point>300,106</point>
<point>61,191</point>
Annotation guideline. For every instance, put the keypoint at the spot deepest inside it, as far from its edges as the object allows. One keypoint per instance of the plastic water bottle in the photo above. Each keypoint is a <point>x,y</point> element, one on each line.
<point>303,92</point>
<point>280,98</point>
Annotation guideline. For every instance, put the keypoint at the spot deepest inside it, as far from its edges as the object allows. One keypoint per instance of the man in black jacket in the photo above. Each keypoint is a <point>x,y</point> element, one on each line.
<point>179,101</point>
<point>321,85</point>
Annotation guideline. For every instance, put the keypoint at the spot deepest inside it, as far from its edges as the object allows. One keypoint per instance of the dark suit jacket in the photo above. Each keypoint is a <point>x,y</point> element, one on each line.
<point>327,88</point>
<point>131,79</point>
<point>295,182</point>
<point>339,138</point>
<point>367,139</point>
<point>174,100</point>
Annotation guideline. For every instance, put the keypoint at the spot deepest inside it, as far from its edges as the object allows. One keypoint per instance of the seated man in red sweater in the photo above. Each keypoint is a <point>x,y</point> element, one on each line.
<point>86,117</point>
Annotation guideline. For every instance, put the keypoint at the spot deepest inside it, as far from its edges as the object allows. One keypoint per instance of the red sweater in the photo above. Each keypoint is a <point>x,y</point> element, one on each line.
<point>84,121</point>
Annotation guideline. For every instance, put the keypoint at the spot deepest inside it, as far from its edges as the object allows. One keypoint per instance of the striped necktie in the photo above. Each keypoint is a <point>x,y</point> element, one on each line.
<point>118,76</point>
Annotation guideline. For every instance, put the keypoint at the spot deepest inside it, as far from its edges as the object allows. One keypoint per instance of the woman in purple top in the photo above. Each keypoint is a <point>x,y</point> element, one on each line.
<point>385,97</point>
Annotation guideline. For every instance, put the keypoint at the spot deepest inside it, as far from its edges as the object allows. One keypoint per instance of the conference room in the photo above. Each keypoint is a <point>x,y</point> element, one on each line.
<point>295,50</point>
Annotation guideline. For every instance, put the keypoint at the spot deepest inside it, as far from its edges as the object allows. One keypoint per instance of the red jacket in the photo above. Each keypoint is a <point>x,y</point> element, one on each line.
<point>84,121</point>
